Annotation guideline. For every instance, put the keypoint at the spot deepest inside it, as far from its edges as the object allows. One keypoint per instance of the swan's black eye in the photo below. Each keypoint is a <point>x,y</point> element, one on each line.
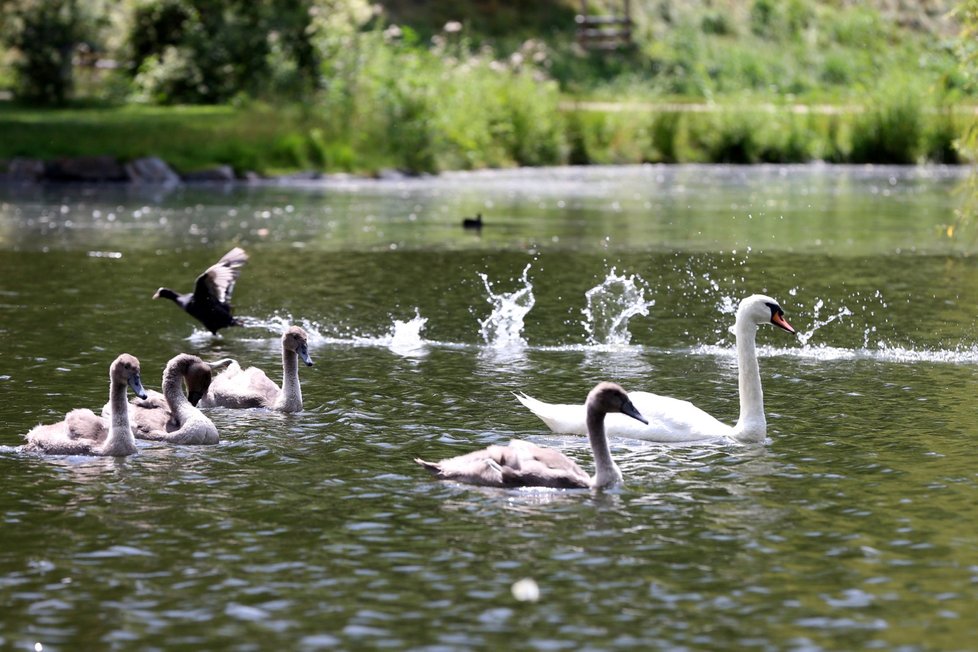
<point>775,309</point>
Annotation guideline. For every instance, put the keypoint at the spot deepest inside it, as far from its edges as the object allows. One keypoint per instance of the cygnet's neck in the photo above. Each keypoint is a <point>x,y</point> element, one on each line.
<point>606,471</point>
<point>751,426</point>
<point>120,440</point>
<point>173,391</point>
<point>290,398</point>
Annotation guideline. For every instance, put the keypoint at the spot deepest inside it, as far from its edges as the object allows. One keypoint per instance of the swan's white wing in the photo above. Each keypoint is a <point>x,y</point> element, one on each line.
<point>559,417</point>
<point>670,419</point>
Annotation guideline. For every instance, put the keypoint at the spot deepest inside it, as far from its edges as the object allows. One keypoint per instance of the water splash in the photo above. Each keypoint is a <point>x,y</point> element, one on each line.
<point>886,353</point>
<point>405,336</point>
<point>405,339</point>
<point>504,327</point>
<point>609,307</point>
<point>278,324</point>
<point>817,323</point>
<point>275,325</point>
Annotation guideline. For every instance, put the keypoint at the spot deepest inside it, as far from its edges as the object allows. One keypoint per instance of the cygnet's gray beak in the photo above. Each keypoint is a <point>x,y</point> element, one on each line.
<point>631,411</point>
<point>137,386</point>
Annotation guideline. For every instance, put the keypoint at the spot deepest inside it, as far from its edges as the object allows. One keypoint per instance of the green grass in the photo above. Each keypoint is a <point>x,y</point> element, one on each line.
<point>257,138</point>
<point>278,140</point>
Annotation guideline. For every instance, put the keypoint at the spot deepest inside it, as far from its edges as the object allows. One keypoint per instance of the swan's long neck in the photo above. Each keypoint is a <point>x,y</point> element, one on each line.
<point>173,391</point>
<point>752,425</point>
<point>120,440</point>
<point>290,398</point>
<point>606,471</point>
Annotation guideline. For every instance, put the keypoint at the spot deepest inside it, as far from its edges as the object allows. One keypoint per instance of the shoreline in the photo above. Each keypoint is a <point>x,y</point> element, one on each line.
<point>224,177</point>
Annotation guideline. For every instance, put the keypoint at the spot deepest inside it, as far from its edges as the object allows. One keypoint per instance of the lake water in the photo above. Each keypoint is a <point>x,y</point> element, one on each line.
<point>851,527</point>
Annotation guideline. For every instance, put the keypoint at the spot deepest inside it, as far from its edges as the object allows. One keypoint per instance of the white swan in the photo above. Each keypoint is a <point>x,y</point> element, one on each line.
<point>83,432</point>
<point>251,388</point>
<point>522,464</point>
<point>674,420</point>
<point>180,422</point>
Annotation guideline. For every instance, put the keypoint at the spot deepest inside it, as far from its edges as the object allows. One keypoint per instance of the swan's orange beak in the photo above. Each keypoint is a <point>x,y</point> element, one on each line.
<point>778,320</point>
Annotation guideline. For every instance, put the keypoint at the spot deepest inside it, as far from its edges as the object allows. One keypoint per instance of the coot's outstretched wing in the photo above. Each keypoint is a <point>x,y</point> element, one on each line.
<point>217,283</point>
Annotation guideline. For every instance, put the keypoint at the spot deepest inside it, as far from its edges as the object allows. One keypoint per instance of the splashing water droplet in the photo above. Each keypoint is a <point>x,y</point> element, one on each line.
<point>405,336</point>
<point>609,307</point>
<point>820,323</point>
<point>504,327</point>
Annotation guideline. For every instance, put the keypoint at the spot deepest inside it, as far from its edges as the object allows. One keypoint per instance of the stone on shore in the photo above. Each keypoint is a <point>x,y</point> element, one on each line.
<point>85,168</point>
<point>151,170</point>
<point>22,170</point>
<point>219,174</point>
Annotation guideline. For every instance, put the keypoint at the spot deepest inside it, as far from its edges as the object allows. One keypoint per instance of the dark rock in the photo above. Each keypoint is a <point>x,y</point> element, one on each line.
<point>388,174</point>
<point>219,174</point>
<point>151,170</point>
<point>85,168</point>
<point>23,170</point>
<point>307,175</point>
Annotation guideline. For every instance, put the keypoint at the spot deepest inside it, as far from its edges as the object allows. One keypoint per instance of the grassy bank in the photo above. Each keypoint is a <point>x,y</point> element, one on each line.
<point>399,89</point>
<point>275,140</point>
<point>189,138</point>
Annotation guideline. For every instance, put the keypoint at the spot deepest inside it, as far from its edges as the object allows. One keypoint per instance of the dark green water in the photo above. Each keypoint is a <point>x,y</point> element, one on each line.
<point>852,527</point>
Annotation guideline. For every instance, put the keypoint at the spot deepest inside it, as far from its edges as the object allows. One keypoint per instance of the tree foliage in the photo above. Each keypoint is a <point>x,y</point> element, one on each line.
<point>968,54</point>
<point>196,51</point>
<point>46,35</point>
<point>210,50</point>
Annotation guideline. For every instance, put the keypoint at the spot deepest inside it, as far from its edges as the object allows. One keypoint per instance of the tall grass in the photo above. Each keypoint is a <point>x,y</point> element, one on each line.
<point>891,128</point>
<point>415,112</point>
<point>424,111</point>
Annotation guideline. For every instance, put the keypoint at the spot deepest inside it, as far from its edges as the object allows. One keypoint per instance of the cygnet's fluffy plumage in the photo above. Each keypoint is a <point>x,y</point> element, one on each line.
<point>83,432</point>
<point>251,388</point>
<point>522,464</point>
<point>177,420</point>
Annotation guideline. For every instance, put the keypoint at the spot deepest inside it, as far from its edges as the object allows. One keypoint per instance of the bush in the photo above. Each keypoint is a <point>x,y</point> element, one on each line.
<point>197,51</point>
<point>665,136</point>
<point>940,139</point>
<point>890,129</point>
<point>733,136</point>
<point>425,111</point>
<point>46,35</point>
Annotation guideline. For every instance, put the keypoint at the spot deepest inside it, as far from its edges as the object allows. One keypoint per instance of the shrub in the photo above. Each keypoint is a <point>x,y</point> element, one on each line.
<point>665,136</point>
<point>890,129</point>
<point>204,52</point>
<point>734,137</point>
<point>940,139</point>
<point>46,35</point>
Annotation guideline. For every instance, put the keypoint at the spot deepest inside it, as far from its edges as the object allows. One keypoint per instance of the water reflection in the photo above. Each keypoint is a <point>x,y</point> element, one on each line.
<point>776,208</point>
